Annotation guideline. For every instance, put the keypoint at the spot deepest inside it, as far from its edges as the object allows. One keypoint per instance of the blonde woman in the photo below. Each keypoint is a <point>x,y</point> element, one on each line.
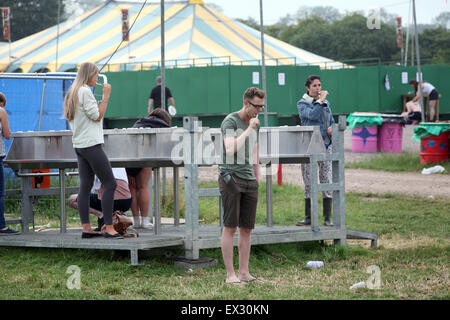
<point>85,118</point>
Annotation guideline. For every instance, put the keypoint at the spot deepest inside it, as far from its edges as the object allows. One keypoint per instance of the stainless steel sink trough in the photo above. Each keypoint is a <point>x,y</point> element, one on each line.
<point>189,147</point>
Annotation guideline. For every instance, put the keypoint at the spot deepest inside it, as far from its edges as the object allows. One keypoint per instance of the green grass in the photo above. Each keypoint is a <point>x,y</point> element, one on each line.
<point>396,162</point>
<point>413,256</point>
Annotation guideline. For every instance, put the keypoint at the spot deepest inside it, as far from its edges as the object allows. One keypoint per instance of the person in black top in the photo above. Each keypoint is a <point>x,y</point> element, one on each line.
<point>155,97</point>
<point>138,178</point>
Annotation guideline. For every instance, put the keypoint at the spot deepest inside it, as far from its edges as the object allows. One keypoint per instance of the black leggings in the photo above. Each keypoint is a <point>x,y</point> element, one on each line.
<point>93,161</point>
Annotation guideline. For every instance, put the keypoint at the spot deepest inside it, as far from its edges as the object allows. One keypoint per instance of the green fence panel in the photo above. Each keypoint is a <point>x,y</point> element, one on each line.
<point>146,82</point>
<point>202,90</point>
<point>302,73</point>
<point>282,89</point>
<point>348,91</point>
<point>367,92</point>
<point>343,87</point>
<point>123,100</point>
<point>283,99</point>
<point>391,100</point>
<point>218,90</point>
<point>129,93</point>
<point>189,89</point>
<point>241,78</point>
<point>438,75</point>
<point>444,89</point>
<point>330,82</point>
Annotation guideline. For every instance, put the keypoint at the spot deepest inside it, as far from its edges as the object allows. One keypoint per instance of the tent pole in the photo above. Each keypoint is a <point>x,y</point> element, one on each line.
<point>263,60</point>
<point>9,38</point>
<point>42,104</point>
<point>418,61</point>
<point>268,167</point>
<point>163,71</point>
<point>163,88</point>
<point>407,36</point>
<point>57,36</point>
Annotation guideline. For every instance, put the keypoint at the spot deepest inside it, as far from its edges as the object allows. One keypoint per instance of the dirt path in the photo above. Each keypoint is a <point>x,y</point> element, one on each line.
<point>360,180</point>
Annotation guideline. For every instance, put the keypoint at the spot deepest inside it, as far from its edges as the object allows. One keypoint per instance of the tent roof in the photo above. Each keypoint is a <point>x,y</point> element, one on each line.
<point>195,34</point>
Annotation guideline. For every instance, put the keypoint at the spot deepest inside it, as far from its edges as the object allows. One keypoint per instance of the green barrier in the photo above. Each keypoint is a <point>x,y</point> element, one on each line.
<point>429,129</point>
<point>357,120</point>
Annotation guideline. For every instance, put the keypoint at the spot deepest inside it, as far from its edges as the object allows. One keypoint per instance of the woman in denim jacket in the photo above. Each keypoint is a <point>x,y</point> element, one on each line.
<point>314,110</point>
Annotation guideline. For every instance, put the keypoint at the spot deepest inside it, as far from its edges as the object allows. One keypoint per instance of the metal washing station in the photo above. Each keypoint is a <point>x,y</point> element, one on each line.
<point>190,147</point>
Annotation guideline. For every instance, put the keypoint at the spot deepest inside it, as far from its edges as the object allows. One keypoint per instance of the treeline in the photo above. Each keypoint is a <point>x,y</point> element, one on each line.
<point>321,30</point>
<point>326,32</point>
<point>31,16</point>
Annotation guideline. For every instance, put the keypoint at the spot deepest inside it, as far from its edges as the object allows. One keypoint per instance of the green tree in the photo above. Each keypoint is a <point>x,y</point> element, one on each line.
<point>443,20</point>
<point>327,13</point>
<point>312,34</point>
<point>250,22</point>
<point>346,38</point>
<point>31,16</point>
<point>434,44</point>
<point>354,40</point>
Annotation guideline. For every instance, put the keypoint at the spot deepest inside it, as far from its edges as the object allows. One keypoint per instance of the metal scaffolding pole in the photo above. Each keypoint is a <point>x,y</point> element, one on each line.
<point>57,36</point>
<point>268,166</point>
<point>419,71</point>
<point>163,66</point>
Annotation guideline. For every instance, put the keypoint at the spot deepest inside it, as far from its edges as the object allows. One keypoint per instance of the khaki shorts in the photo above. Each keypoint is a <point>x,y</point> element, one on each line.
<point>239,199</point>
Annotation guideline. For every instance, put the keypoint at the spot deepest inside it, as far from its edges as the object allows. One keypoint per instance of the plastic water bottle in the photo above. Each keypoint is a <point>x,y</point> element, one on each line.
<point>314,264</point>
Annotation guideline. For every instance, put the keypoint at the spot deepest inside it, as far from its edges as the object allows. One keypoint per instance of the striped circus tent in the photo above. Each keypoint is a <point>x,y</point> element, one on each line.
<point>195,34</point>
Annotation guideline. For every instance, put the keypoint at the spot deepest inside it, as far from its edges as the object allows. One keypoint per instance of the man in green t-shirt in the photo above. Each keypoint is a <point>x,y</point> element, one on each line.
<point>238,181</point>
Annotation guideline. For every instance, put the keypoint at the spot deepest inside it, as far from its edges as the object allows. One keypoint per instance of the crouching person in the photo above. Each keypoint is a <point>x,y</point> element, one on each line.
<point>122,197</point>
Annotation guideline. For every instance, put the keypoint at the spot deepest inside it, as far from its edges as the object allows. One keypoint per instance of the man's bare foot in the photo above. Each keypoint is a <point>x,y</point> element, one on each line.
<point>246,277</point>
<point>233,279</point>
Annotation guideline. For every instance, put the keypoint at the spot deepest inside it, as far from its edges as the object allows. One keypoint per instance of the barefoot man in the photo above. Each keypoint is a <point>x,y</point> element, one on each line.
<point>238,181</point>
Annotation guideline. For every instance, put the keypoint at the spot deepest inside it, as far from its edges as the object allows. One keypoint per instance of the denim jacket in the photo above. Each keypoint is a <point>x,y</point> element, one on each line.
<point>313,113</point>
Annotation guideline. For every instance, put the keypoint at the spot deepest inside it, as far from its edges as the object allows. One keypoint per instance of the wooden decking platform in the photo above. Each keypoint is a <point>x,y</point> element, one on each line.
<point>171,236</point>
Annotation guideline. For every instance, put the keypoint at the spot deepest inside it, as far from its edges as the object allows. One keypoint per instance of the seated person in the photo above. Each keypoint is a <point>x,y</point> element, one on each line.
<point>413,112</point>
<point>122,196</point>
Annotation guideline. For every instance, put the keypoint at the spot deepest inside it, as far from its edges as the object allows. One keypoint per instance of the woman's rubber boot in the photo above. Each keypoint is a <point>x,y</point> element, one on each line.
<point>327,203</point>
<point>307,220</point>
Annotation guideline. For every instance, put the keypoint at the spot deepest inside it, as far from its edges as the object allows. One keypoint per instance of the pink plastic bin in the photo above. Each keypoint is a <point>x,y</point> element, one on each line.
<point>390,137</point>
<point>364,139</point>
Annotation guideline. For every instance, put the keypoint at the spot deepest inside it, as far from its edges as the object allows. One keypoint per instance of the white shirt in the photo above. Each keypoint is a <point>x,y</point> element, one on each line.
<point>119,173</point>
<point>427,88</point>
<point>86,132</point>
